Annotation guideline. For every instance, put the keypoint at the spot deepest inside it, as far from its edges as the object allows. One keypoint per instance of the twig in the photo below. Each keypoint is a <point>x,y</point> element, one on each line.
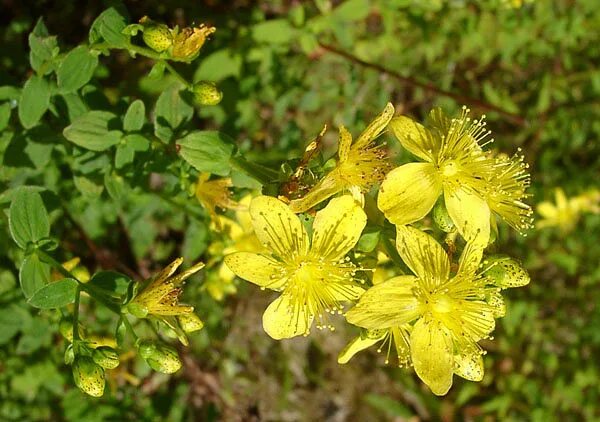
<point>427,85</point>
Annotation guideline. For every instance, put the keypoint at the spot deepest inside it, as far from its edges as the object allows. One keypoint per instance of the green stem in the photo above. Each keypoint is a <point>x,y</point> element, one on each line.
<point>76,314</point>
<point>175,73</point>
<point>91,290</point>
<point>129,327</point>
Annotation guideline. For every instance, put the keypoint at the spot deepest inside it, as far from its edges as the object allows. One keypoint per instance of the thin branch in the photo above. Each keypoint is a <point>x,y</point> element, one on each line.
<point>427,85</point>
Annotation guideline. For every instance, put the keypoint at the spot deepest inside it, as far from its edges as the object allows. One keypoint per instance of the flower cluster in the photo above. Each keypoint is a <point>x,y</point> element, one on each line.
<point>432,312</point>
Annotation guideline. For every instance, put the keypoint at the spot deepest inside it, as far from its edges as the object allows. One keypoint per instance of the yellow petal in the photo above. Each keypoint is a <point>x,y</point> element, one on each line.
<point>415,137</point>
<point>258,269</point>
<point>327,187</point>
<point>423,254</point>
<point>469,366</point>
<point>358,344</point>
<point>344,142</point>
<point>470,213</point>
<point>547,210</point>
<point>277,228</point>
<point>470,259</point>
<point>375,128</point>
<point>431,352</point>
<point>388,304</point>
<point>284,320</point>
<point>409,192</point>
<point>337,228</point>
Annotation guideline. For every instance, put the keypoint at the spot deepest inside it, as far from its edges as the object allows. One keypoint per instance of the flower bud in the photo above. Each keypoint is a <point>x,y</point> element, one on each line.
<point>160,357</point>
<point>137,310</point>
<point>506,272</point>
<point>88,376</point>
<point>157,36</point>
<point>69,355</point>
<point>190,322</point>
<point>106,357</point>
<point>207,93</point>
<point>442,218</point>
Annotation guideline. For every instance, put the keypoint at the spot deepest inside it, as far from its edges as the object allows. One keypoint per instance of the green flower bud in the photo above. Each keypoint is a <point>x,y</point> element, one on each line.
<point>88,376</point>
<point>106,357</point>
<point>160,357</point>
<point>137,310</point>
<point>69,355</point>
<point>506,272</point>
<point>157,36</point>
<point>442,218</point>
<point>190,322</point>
<point>207,93</point>
<point>66,329</point>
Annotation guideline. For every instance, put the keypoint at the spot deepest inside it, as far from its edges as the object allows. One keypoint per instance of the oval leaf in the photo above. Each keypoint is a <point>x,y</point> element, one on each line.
<point>76,69</point>
<point>92,131</point>
<point>35,99</point>
<point>55,295</point>
<point>33,275</point>
<point>208,151</point>
<point>27,218</point>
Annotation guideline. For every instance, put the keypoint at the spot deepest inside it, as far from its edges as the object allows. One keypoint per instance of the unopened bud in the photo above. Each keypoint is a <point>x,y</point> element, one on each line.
<point>69,355</point>
<point>190,322</point>
<point>506,272</point>
<point>157,36</point>
<point>442,218</point>
<point>137,310</point>
<point>106,357</point>
<point>88,376</point>
<point>207,93</point>
<point>160,357</point>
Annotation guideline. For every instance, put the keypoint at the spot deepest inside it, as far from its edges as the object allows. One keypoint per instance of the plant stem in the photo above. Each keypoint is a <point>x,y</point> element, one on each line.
<point>91,290</point>
<point>175,73</point>
<point>76,314</point>
<point>129,327</point>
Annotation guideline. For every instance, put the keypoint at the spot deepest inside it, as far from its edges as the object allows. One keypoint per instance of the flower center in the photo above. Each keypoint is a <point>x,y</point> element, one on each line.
<point>441,304</point>
<point>449,169</point>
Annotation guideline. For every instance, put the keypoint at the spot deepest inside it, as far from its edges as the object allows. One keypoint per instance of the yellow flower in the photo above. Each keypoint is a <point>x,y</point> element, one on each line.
<point>474,182</point>
<point>240,237</point>
<point>214,193</point>
<point>188,42</point>
<point>565,213</point>
<point>361,164</point>
<point>160,297</point>
<point>314,277</point>
<point>435,319</point>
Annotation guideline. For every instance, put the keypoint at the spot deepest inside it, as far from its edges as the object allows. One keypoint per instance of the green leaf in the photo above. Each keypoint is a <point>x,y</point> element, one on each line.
<point>218,66</point>
<point>36,334</point>
<point>11,321</point>
<point>76,69</point>
<point>135,116</point>
<point>28,219</point>
<point>208,151</point>
<point>111,283</point>
<point>33,275</point>
<point>109,26</point>
<point>352,10</point>
<point>127,148</point>
<point>171,112</point>
<point>276,31</point>
<point>5,110</point>
<point>88,187</point>
<point>43,49</point>
<point>32,148</point>
<point>35,99</point>
<point>55,295</point>
<point>93,131</point>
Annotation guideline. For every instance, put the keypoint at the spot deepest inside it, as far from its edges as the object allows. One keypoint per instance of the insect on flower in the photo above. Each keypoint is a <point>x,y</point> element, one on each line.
<point>314,275</point>
<point>361,164</point>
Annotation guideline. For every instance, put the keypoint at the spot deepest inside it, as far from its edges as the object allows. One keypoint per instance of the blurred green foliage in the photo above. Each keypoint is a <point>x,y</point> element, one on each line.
<point>282,80</point>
